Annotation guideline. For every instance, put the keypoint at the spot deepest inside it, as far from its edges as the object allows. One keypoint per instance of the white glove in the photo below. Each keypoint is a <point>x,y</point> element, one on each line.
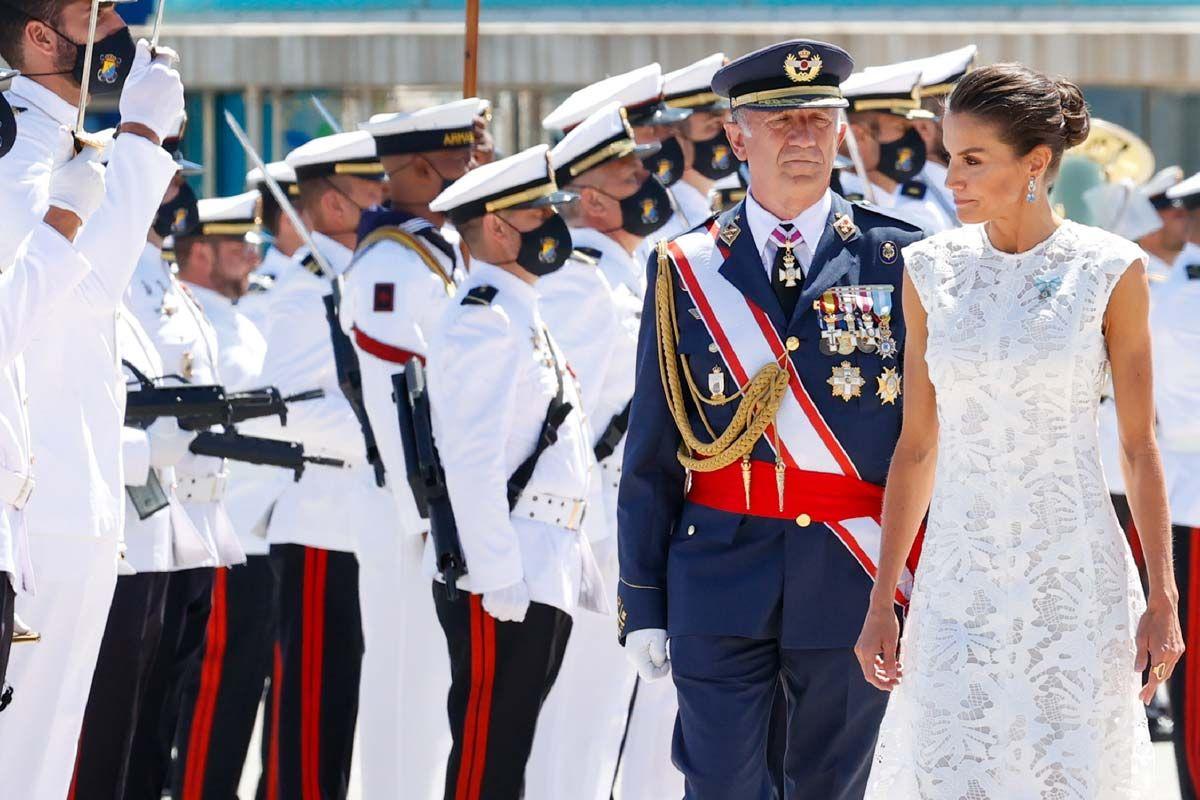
<point>78,185</point>
<point>168,442</point>
<point>508,604</point>
<point>646,649</point>
<point>153,93</point>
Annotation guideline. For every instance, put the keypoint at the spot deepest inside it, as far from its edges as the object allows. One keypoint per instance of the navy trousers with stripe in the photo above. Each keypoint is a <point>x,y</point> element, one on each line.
<point>131,637</point>
<point>500,675</point>
<point>314,693</point>
<point>219,709</point>
<point>176,663</point>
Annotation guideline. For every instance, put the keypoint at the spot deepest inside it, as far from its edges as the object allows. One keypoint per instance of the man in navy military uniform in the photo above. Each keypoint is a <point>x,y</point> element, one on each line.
<point>766,410</point>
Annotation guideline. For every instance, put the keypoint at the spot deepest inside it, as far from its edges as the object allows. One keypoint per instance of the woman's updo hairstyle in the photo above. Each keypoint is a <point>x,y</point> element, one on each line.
<point>1028,107</point>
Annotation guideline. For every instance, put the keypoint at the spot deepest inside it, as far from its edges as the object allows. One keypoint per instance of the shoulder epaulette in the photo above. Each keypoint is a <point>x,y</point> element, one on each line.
<point>855,197</point>
<point>1193,272</point>
<point>915,190</point>
<point>407,240</point>
<point>480,296</point>
<point>588,255</point>
<point>886,216</point>
<point>311,264</point>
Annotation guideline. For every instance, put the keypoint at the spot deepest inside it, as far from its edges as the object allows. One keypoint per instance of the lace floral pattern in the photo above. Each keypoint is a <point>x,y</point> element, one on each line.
<point>1019,646</point>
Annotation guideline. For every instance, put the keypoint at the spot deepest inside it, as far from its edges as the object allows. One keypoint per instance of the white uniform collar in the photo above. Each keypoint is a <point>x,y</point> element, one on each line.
<point>692,203</point>
<point>595,240</point>
<point>209,298</point>
<point>33,93</point>
<point>483,273</point>
<point>337,254</point>
<point>810,222</point>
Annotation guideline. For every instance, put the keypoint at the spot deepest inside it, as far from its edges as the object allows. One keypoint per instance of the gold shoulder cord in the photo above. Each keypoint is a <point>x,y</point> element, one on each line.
<point>405,240</point>
<point>761,397</point>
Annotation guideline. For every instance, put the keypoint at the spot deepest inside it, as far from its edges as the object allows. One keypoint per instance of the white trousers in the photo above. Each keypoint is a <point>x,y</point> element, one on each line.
<point>646,769</point>
<point>51,679</point>
<point>403,730</point>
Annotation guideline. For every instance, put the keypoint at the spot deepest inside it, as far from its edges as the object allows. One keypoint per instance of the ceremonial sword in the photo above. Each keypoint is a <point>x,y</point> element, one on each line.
<point>85,83</point>
<point>278,193</point>
<point>158,18</point>
<point>856,156</point>
<point>324,112</point>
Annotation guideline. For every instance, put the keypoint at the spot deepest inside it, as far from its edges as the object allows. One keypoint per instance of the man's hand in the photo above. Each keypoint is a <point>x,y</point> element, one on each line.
<point>168,442</point>
<point>508,604</point>
<point>152,99</point>
<point>646,649</point>
<point>77,187</point>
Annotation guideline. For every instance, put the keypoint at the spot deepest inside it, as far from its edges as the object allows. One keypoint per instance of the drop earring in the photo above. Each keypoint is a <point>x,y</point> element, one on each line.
<point>1031,195</point>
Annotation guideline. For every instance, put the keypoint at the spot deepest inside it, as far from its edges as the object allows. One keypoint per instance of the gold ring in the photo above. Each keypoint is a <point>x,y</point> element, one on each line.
<point>1160,671</point>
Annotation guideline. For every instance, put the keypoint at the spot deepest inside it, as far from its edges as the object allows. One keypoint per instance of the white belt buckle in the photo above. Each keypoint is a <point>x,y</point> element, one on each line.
<point>575,519</point>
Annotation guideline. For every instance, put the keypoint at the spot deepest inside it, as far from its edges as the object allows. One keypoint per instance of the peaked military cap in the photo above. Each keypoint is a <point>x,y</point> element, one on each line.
<point>1157,188</point>
<point>639,92</point>
<point>228,216</point>
<point>603,137</point>
<point>351,153</point>
<point>888,89</point>
<point>940,73</point>
<point>800,73</point>
<point>443,127</point>
<point>524,180</point>
<point>283,174</point>
<point>1187,192</point>
<point>691,87</point>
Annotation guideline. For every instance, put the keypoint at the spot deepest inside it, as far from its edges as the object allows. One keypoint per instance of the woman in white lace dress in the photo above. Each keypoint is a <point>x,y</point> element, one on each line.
<point>1028,633</point>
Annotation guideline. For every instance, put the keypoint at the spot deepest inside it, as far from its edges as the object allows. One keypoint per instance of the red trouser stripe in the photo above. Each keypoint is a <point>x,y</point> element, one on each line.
<point>205,708</point>
<point>1191,719</point>
<point>273,746</point>
<point>308,698</point>
<point>312,768</point>
<point>477,720</point>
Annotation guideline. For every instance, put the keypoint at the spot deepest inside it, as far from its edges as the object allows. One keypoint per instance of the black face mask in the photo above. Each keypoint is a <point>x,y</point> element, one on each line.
<point>545,248</point>
<point>180,216</point>
<point>112,59</point>
<point>714,158</point>
<point>903,159</point>
<point>646,210</point>
<point>667,164</point>
<point>8,127</point>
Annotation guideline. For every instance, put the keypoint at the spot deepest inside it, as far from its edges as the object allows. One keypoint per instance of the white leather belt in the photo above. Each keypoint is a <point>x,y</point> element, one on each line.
<point>610,468</point>
<point>552,509</point>
<point>15,488</point>
<point>202,488</point>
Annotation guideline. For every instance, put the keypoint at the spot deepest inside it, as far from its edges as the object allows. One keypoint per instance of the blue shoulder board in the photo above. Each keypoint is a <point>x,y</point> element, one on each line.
<point>914,189</point>
<point>868,215</point>
<point>480,296</point>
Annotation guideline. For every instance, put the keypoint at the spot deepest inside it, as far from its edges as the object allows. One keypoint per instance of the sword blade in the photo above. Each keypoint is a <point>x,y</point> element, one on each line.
<point>856,157</point>
<point>324,112</point>
<point>158,20</point>
<point>277,192</point>
<point>89,51</point>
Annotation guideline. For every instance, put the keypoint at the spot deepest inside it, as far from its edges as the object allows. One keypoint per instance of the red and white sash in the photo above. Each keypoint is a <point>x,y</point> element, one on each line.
<point>748,341</point>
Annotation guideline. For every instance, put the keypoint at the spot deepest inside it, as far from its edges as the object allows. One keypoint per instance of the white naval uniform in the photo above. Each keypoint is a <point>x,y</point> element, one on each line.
<point>330,507</point>
<point>1175,326</point>
<point>934,175</point>
<point>488,366</point>
<point>924,211</point>
<point>46,268</point>
<point>77,406</point>
<point>241,354</point>
<point>404,736</point>
<point>187,343</point>
<point>687,215</point>
<point>585,719</point>
<point>166,541</point>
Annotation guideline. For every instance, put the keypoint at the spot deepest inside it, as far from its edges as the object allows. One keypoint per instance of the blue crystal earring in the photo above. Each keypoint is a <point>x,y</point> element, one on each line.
<point>1031,195</point>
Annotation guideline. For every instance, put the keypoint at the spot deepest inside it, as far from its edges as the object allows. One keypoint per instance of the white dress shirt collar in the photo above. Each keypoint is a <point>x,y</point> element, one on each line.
<point>30,91</point>
<point>336,253</point>
<point>483,273</point>
<point>810,222</point>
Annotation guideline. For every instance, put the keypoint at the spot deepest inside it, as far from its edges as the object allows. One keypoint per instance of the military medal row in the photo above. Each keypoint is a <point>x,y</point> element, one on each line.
<point>856,318</point>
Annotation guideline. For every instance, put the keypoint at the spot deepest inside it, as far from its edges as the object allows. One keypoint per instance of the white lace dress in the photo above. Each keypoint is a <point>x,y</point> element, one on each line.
<point>1018,652</point>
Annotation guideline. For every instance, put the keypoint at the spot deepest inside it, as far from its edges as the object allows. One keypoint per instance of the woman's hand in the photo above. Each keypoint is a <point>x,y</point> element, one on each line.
<point>1159,644</point>
<point>878,647</point>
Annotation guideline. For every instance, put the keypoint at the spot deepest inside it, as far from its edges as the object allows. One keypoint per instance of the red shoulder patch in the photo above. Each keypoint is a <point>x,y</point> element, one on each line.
<point>385,297</point>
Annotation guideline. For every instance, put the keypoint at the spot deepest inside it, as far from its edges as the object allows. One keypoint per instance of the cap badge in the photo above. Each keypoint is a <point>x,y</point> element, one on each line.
<point>802,67</point>
<point>548,252</point>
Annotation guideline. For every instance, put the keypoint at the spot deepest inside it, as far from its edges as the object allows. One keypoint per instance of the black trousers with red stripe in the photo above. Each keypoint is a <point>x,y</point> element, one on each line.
<point>131,638</point>
<point>176,663</point>
<point>1184,685</point>
<point>218,712</point>
<point>501,673</point>
<point>314,692</point>
<point>1125,517</point>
